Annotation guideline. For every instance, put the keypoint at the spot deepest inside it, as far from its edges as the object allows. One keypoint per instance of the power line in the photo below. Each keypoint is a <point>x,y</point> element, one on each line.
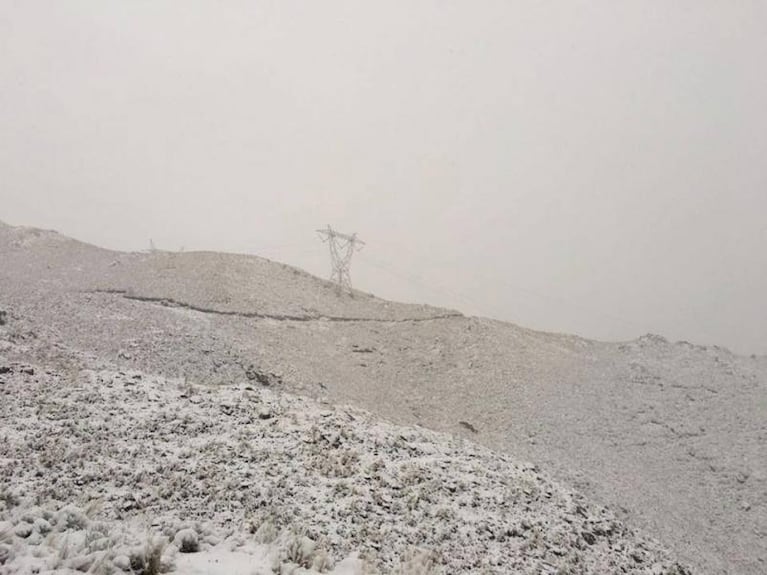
<point>565,303</point>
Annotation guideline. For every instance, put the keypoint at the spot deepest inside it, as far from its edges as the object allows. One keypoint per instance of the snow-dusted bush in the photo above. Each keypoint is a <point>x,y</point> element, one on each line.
<point>186,540</point>
<point>266,532</point>
<point>340,463</point>
<point>71,518</point>
<point>147,559</point>
<point>322,562</point>
<point>417,562</point>
<point>6,553</point>
<point>300,550</point>
<point>8,499</point>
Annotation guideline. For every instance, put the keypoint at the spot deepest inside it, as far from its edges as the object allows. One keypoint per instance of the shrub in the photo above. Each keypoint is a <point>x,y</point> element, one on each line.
<point>71,518</point>
<point>323,562</point>
<point>9,499</point>
<point>187,542</point>
<point>417,562</point>
<point>266,532</point>
<point>300,551</point>
<point>147,560</point>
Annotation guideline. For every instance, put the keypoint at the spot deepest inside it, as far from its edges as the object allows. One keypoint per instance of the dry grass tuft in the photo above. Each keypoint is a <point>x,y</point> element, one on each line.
<point>417,562</point>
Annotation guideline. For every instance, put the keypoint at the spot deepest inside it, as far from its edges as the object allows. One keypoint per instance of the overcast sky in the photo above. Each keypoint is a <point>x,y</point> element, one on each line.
<point>598,168</point>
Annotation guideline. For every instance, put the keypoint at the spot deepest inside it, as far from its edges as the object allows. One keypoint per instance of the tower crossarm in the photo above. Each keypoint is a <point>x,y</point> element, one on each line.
<point>351,238</point>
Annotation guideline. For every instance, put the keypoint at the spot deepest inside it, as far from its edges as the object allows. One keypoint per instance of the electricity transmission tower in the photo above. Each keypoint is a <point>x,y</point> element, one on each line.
<point>342,247</point>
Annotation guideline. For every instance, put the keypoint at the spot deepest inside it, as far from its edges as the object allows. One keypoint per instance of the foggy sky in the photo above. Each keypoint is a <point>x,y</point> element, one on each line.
<point>597,168</point>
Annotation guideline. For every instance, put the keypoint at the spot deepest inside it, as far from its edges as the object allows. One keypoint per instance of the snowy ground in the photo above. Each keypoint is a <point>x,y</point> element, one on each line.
<point>106,471</point>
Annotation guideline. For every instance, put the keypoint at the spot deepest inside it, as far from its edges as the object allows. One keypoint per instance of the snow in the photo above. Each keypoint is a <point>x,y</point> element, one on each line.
<point>670,435</point>
<point>106,464</point>
<point>224,562</point>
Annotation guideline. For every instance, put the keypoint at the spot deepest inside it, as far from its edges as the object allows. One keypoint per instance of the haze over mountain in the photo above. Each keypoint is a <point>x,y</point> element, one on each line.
<point>595,167</point>
<point>672,436</point>
<point>592,172</point>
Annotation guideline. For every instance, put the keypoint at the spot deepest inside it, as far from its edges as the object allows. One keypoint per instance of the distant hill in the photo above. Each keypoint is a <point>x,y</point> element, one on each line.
<point>227,283</point>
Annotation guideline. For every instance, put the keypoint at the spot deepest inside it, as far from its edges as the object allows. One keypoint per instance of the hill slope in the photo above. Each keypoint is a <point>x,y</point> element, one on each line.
<point>252,477</point>
<point>673,436</point>
<point>226,283</point>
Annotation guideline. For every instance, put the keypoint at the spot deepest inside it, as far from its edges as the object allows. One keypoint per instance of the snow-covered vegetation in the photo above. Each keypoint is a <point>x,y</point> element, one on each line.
<point>106,471</point>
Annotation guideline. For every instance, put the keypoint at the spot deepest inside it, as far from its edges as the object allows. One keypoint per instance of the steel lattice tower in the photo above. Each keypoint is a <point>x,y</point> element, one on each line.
<point>342,247</point>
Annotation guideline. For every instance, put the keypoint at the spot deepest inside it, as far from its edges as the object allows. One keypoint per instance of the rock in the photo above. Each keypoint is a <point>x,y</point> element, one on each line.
<point>186,540</point>
<point>741,477</point>
<point>265,413</point>
<point>262,377</point>
<point>468,426</point>
<point>589,537</point>
<point>358,349</point>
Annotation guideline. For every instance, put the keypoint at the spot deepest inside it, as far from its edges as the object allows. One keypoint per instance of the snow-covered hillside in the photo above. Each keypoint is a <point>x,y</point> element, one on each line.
<point>671,436</point>
<point>106,471</point>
